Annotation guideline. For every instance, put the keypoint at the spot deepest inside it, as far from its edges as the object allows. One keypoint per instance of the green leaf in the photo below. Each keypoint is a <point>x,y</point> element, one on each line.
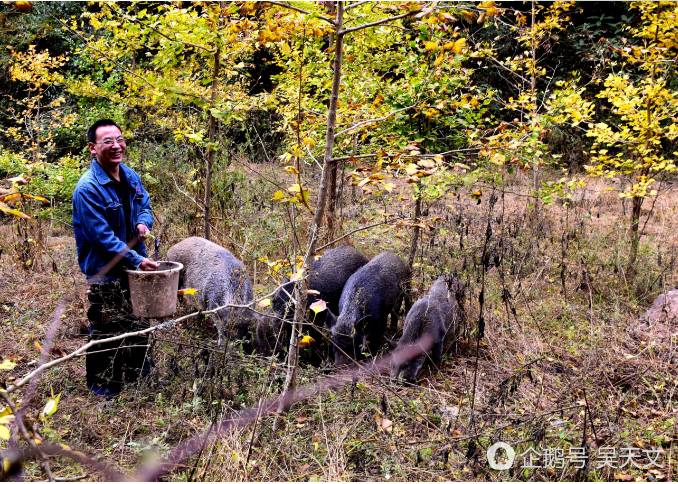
<point>7,365</point>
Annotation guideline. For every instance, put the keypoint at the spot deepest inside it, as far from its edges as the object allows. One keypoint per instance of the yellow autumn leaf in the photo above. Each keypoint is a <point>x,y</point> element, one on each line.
<point>305,341</point>
<point>4,208</point>
<point>291,169</point>
<point>492,11</point>
<point>189,291</point>
<point>35,197</point>
<point>388,186</point>
<point>318,307</point>
<point>4,433</point>
<point>264,303</point>
<point>459,46</point>
<point>430,45</point>
<point>278,196</point>
<point>9,197</point>
<point>294,188</point>
<point>411,169</point>
<point>7,365</point>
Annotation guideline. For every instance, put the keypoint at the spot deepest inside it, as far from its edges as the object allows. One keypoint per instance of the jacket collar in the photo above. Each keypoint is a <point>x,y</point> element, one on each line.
<point>101,175</point>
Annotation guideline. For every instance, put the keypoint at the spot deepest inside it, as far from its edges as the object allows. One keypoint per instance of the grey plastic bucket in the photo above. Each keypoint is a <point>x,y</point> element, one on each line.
<point>154,293</point>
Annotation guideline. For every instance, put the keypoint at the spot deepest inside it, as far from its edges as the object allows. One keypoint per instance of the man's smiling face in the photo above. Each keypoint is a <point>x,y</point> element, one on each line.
<point>109,147</point>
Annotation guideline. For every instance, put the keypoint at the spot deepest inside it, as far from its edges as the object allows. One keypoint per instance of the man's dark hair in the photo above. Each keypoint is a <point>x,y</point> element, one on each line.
<point>92,131</point>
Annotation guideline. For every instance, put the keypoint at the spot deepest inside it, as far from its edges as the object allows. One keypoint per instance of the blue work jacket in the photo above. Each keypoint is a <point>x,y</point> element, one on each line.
<point>99,224</point>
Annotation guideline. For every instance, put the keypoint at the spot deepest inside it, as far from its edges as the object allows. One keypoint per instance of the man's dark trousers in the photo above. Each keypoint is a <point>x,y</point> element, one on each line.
<point>110,365</point>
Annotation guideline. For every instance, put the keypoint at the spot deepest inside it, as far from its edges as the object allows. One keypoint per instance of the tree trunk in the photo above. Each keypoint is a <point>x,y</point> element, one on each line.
<point>635,234</point>
<point>533,93</point>
<point>328,165</point>
<point>211,135</point>
<point>332,225</point>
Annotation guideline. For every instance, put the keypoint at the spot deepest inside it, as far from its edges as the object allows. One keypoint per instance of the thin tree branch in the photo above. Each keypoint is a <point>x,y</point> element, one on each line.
<point>402,155</point>
<point>109,472</point>
<point>365,227</point>
<point>356,4</point>
<point>164,325</point>
<point>300,10</point>
<point>162,34</point>
<point>387,20</point>
<point>370,121</point>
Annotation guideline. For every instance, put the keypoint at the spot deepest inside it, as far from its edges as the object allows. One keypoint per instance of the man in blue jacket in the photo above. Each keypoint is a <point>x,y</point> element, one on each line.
<point>111,217</point>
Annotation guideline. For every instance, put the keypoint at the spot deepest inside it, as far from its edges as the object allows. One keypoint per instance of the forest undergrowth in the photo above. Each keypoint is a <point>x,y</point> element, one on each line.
<point>562,362</point>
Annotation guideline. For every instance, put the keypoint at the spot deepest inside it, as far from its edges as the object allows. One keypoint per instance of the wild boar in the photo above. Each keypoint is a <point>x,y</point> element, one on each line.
<point>327,276</point>
<point>439,315</point>
<point>219,278</point>
<point>369,296</point>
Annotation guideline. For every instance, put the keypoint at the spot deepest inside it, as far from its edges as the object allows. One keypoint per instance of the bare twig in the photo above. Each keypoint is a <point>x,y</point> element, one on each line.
<point>371,121</point>
<point>359,229</point>
<point>301,10</point>
<point>419,13</point>
<point>356,4</point>
<point>162,326</point>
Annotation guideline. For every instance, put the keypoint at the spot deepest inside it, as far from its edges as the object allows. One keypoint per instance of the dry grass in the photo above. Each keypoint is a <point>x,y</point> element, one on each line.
<point>556,368</point>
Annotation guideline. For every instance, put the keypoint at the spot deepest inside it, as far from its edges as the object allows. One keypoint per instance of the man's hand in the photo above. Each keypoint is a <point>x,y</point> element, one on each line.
<point>148,264</point>
<point>142,230</point>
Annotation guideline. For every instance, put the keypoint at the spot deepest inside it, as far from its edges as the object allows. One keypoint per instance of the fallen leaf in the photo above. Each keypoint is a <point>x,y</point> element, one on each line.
<point>189,291</point>
<point>384,424</point>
